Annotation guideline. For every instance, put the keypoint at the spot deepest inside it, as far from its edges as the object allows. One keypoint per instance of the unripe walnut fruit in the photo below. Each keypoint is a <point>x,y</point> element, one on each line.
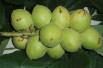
<point>21,19</point>
<point>80,20</point>
<point>50,35</point>
<point>55,52</point>
<point>71,40</point>
<point>91,39</point>
<point>61,17</point>
<point>35,49</point>
<point>19,42</point>
<point>41,16</point>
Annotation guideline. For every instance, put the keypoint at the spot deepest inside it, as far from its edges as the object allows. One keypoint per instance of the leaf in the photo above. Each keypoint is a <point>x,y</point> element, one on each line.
<point>69,4</point>
<point>93,58</point>
<point>13,60</point>
<point>99,28</point>
<point>60,63</point>
<point>51,4</point>
<point>19,59</point>
<point>38,63</point>
<point>2,16</point>
<point>75,4</point>
<point>100,50</point>
<point>99,62</point>
<point>79,59</point>
<point>29,5</point>
<point>3,44</point>
<point>96,61</point>
<point>15,2</point>
<point>98,17</point>
<point>66,3</point>
<point>80,4</point>
<point>98,4</point>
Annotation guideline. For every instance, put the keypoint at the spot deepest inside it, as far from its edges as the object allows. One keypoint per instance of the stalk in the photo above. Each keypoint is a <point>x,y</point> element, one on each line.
<point>12,48</point>
<point>11,34</point>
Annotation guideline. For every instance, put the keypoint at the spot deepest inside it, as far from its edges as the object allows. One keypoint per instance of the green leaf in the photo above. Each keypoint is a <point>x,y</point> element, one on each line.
<point>3,44</point>
<point>74,4</point>
<point>29,5</point>
<point>100,50</point>
<point>38,63</point>
<point>99,28</point>
<point>60,63</point>
<point>19,59</point>
<point>15,2</point>
<point>99,62</point>
<point>98,17</point>
<point>93,58</point>
<point>2,16</point>
<point>13,60</point>
<point>96,61</point>
<point>79,59</point>
<point>51,4</point>
<point>98,4</point>
<point>66,3</point>
<point>79,4</point>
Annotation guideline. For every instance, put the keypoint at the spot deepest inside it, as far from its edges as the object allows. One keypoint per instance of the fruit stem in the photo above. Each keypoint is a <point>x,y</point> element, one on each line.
<point>8,34</point>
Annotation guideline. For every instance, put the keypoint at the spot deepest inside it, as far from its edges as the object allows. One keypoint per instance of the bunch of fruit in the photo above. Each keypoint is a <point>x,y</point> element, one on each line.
<point>56,32</point>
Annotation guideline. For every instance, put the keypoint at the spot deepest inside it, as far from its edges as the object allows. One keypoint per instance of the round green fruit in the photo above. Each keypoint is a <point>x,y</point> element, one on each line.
<point>80,20</point>
<point>71,40</point>
<point>21,19</point>
<point>50,35</point>
<point>55,52</point>
<point>41,16</point>
<point>61,17</point>
<point>91,39</point>
<point>19,42</point>
<point>35,49</point>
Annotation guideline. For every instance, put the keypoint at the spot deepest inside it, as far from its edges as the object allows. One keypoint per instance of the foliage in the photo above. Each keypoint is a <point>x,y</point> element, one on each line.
<point>80,59</point>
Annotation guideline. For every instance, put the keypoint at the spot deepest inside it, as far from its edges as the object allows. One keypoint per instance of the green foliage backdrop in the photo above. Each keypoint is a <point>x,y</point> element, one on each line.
<point>80,59</point>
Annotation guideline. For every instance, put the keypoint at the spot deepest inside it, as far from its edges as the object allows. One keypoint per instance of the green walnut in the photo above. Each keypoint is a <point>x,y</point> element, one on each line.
<point>50,35</point>
<point>35,49</point>
<point>61,17</point>
<point>91,39</point>
<point>80,20</point>
<point>19,42</point>
<point>71,40</point>
<point>41,16</point>
<point>21,19</point>
<point>55,52</point>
